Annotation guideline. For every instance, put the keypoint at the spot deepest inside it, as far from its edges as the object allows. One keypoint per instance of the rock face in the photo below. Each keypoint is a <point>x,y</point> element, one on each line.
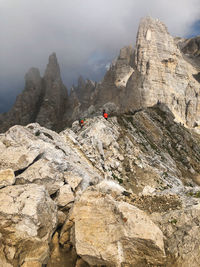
<point>27,103</point>
<point>162,74</point>
<point>84,91</point>
<point>54,102</point>
<point>28,219</point>
<point>117,192</point>
<point>43,100</point>
<point>159,69</point>
<point>125,231</point>
<point>112,88</point>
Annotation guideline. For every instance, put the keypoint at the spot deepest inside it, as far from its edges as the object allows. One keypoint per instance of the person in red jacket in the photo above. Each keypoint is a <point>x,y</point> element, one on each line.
<point>81,123</point>
<point>105,115</point>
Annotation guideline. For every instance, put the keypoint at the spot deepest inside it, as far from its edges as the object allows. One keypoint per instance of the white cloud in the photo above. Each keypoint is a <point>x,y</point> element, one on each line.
<point>77,29</point>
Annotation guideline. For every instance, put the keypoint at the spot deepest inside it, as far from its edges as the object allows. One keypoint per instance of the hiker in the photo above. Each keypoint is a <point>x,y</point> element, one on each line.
<point>81,123</point>
<point>105,115</point>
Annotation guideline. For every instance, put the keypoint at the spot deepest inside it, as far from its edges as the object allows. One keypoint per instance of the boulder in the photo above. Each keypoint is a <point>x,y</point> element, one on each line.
<point>112,233</point>
<point>7,177</point>
<point>65,196</point>
<point>28,218</point>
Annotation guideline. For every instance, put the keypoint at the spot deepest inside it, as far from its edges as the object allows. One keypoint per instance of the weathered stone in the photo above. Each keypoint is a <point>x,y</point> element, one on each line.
<point>31,264</point>
<point>38,155</point>
<point>65,196</point>
<point>72,180</point>
<point>162,74</point>
<point>114,233</point>
<point>181,228</point>
<point>43,100</point>
<point>7,177</point>
<point>55,97</point>
<point>28,219</point>
<point>42,172</point>
<point>61,218</point>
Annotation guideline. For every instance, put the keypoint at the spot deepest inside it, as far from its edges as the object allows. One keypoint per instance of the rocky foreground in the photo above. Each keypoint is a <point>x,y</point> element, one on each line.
<point>122,192</point>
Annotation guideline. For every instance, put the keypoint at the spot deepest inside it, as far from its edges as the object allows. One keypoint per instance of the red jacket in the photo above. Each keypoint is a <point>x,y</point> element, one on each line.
<point>105,115</point>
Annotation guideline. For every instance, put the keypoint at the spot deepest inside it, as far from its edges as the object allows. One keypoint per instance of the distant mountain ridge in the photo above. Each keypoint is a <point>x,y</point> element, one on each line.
<point>159,69</point>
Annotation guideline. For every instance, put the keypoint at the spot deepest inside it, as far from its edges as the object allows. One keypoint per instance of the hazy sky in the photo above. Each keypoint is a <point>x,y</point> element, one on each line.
<point>85,34</point>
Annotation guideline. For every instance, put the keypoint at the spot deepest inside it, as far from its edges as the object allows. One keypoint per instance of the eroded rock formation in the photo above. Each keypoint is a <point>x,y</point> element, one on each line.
<point>159,68</point>
<point>44,100</point>
<point>113,193</point>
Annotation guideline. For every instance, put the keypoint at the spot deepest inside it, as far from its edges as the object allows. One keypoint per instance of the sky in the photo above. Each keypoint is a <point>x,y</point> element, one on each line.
<point>85,34</point>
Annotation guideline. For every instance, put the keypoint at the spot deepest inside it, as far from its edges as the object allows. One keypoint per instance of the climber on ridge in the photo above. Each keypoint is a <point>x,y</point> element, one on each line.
<point>105,115</point>
<point>81,123</point>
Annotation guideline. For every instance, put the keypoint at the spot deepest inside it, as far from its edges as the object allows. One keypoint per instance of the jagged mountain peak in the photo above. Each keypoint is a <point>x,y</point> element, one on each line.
<point>155,70</point>
<point>53,69</point>
<point>32,74</point>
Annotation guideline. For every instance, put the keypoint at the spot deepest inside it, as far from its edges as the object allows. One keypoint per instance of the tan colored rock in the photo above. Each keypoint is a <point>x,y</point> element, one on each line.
<point>64,238</point>
<point>17,153</point>
<point>112,233</point>
<point>28,218</point>
<point>181,228</point>
<point>111,89</point>
<point>31,264</point>
<point>7,177</point>
<point>61,217</point>
<point>65,196</point>
<point>60,256</point>
<point>72,180</point>
<point>3,260</point>
<point>42,172</point>
<point>81,263</point>
<point>41,156</point>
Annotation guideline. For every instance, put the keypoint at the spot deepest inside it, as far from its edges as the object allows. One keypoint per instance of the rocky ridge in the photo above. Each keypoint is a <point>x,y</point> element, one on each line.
<point>122,192</point>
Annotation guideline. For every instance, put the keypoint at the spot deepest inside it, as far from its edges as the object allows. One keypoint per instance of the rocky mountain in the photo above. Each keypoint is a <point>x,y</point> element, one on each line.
<point>118,192</point>
<point>159,68</point>
<point>44,100</point>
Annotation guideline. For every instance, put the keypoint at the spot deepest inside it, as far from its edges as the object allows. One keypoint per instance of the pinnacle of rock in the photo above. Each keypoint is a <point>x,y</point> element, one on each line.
<point>159,68</point>
<point>33,75</point>
<point>32,78</point>
<point>52,70</point>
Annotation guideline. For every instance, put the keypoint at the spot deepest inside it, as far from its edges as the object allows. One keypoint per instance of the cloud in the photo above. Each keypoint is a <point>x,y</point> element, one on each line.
<point>85,34</point>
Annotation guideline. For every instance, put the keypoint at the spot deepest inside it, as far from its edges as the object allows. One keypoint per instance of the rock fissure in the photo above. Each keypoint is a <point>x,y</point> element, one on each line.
<point>18,172</point>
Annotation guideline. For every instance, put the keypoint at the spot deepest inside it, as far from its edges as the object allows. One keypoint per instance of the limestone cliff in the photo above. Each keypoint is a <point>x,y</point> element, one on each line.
<point>158,69</point>
<point>162,73</point>
<point>112,88</point>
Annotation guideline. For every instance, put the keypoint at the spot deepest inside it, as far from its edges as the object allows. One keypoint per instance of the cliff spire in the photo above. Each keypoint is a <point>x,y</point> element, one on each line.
<point>52,70</point>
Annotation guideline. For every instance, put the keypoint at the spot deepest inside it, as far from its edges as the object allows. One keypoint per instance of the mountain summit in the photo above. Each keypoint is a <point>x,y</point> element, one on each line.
<point>159,68</point>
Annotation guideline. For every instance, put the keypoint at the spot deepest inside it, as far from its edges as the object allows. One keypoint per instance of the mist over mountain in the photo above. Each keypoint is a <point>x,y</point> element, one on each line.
<point>86,35</point>
<point>80,189</point>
